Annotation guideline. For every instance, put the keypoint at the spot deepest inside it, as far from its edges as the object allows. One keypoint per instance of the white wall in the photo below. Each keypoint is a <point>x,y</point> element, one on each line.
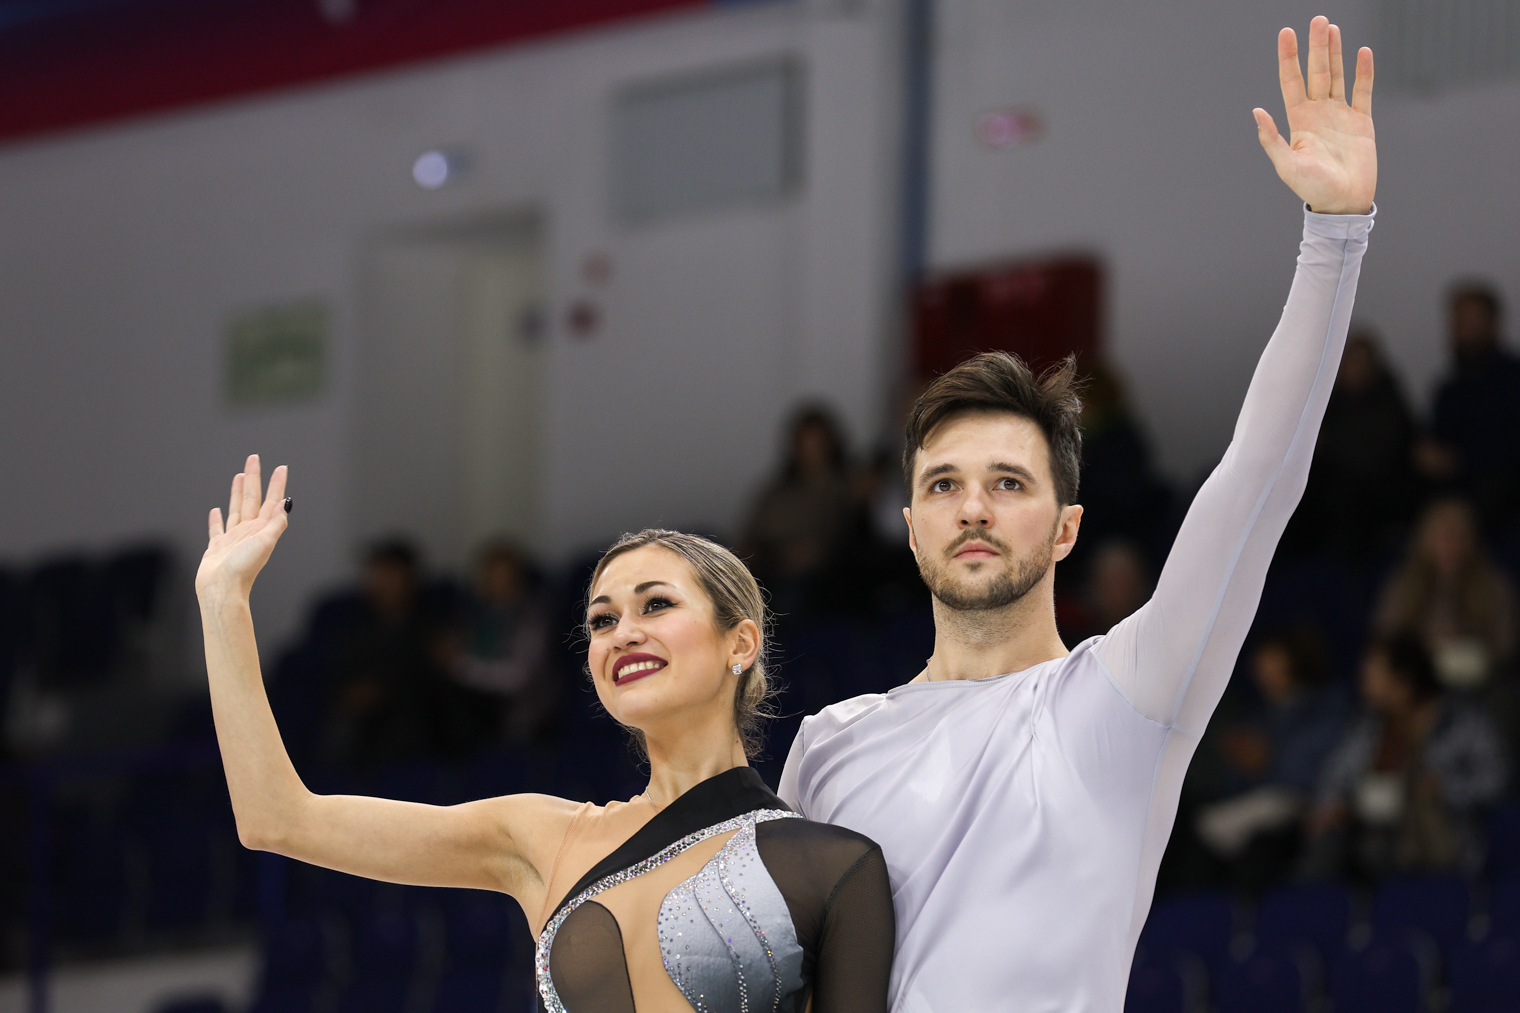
<point>1151,160</point>
<point>123,251</point>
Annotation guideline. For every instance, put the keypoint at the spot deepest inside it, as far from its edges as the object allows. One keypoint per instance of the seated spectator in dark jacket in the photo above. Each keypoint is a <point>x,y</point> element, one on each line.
<point>1360,490</point>
<point>384,678</point>
<point>497,651</point>
<point>1407,787</point>
<point>800,519</point>
<point>1475,427</point>
<point>1453,598</point>
<point>1271,758</point>
<point>1121,496</point>
<point>1118,583</point>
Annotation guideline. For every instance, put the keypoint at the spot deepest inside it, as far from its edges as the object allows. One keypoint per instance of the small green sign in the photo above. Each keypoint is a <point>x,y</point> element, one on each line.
<point>277,354</point>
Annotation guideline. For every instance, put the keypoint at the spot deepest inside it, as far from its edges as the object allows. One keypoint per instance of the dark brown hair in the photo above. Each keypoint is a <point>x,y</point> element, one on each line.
<point>1480,292</point>
<point>1001,382</point>
<point>735,596</point>
<point>1410,663</point>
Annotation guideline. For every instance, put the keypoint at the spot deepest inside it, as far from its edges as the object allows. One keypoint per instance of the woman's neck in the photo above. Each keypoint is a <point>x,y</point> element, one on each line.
<point>681,762</point>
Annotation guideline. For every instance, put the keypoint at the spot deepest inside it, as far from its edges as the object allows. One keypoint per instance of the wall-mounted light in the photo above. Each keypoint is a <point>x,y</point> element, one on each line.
<point>434,169</point>
<point>338,12</point>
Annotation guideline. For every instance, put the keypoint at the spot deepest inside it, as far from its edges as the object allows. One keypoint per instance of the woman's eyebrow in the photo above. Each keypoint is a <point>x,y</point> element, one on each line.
<point>603,599</point>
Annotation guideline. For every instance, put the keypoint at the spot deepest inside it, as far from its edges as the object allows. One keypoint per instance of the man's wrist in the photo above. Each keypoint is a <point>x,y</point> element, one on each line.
<point>1338,211</point>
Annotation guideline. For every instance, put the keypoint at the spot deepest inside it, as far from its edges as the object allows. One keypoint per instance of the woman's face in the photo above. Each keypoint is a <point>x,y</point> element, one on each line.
<point>656,654</point>
<point>1382,688</point>
<point>814,449</point>
<point>1447,537</point>
<point>1272,670</point>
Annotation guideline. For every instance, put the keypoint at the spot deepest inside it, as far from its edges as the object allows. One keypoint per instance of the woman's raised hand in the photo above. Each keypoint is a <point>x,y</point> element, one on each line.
<point>239,550</point>
<point>1330,160</point>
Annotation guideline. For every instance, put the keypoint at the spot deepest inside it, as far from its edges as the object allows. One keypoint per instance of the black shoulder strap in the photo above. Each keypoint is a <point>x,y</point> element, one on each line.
<point>729,794</point>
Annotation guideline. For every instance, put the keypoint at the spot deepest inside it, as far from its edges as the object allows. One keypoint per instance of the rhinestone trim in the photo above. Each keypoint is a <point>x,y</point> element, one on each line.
<point>541,952</point>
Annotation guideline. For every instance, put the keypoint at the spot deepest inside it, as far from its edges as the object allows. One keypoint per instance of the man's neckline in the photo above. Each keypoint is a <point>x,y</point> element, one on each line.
<point>979,682</point>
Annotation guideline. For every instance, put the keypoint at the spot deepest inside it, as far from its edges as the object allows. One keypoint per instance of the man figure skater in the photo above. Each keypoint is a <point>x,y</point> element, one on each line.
<point>1023,795</point>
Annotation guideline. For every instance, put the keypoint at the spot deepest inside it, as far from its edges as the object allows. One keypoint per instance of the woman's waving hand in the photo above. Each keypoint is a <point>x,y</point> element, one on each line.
<point>494,844</point>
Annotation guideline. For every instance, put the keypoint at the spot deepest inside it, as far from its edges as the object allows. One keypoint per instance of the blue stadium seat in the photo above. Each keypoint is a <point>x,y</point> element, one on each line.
<point>1201,923</point>
<point>90,873</point>
<point>1157,986</point>
<point>473,990</point>
<point>1262,983</point>
<point>180,871</point>
<point>478,927</point>
<point>1438,905</point>
<point>1316,914</point>
<point>1504,906</point>
<point>1485,977</point>
<point>385,956</point>
<point>295,968</point>
<point>1385,977</point>
<point>1504,841</point>
<point>480,930</point>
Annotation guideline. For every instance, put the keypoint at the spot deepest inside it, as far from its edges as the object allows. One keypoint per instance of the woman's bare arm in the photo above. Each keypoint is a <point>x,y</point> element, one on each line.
<point>504,844</point>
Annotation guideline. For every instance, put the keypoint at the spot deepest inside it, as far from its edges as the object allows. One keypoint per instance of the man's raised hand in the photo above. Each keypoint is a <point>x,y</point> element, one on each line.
<point>238,550</point>
<point>1330,159</point>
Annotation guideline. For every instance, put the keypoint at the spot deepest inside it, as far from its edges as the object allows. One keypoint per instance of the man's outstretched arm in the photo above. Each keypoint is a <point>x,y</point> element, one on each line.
<point>1173,658</point>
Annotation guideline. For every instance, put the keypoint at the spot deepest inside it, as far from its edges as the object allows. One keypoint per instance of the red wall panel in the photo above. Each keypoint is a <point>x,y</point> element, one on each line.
<point>140,57</point>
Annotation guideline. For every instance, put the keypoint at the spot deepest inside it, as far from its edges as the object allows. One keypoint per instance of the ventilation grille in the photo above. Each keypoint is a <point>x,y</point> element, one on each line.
<point>1430,45</point>
<point>708,142</point>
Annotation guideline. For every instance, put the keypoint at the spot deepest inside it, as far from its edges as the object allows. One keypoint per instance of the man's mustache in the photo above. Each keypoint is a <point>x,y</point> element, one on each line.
<point>974,535</point>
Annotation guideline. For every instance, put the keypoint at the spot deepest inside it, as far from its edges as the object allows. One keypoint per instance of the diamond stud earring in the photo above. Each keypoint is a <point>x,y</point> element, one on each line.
<point>737,669</point>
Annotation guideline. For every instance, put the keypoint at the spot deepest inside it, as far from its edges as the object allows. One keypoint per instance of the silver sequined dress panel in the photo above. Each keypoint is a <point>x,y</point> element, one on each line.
<point>726,934</point>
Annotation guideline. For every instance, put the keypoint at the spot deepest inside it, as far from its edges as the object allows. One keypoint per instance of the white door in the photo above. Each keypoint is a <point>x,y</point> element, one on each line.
<point>449,374</point>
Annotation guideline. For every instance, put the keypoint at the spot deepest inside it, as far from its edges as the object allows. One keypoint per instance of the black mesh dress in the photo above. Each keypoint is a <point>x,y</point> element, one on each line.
<point>724,902</point>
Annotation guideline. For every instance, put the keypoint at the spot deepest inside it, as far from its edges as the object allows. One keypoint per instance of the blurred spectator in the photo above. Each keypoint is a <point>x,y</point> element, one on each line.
<point>1407,787</point>
<point>497,652</point>
<point>797,525</point>
<point>1475,426</point>
<point>1118,583</point>
<point>384,677</point>
<point>1272,757</point>
<point>1360,485</point>
<point>1452,597</point>
<point>1120,493</point>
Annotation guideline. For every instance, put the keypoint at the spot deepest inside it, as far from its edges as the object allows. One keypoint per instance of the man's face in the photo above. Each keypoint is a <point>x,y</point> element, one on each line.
<point>984,522</point>
<point>1473,328</point>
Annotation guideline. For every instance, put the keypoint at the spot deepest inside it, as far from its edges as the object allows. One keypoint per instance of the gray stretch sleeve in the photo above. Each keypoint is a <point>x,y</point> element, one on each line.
<point>1173,658</point>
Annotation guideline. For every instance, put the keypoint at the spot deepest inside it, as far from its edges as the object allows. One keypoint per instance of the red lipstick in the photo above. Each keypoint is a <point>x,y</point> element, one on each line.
<point>649,665</point>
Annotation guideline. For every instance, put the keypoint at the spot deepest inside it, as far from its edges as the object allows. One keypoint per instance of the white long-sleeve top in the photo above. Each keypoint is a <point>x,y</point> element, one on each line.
<point>1023,817</point>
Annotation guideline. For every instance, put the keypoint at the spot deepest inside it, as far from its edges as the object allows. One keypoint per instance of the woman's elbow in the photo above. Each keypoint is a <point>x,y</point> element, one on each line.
<point>264,835</point>
<point>255,838</point>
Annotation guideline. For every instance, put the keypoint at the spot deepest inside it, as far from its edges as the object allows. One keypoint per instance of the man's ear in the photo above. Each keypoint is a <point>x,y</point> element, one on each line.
<point>912,542</point>
<point>1066,531</point>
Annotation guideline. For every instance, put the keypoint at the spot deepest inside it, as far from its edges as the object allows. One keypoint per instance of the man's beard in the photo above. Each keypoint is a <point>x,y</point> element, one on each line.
<point>1000,592</point>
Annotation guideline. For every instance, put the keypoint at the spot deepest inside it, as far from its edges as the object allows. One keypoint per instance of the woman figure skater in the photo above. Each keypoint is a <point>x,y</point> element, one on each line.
<point>704,892</point>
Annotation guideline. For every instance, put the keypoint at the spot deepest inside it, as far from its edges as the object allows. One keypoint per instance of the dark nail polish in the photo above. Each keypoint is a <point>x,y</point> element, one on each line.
<point>289,504</point>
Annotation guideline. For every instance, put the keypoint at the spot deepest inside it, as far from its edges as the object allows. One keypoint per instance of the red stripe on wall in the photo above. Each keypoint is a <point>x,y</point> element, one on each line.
<point>149,56</point>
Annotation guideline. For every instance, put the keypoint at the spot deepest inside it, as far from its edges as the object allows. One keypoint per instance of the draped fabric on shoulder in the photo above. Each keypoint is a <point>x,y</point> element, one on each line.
<point>783,911</point>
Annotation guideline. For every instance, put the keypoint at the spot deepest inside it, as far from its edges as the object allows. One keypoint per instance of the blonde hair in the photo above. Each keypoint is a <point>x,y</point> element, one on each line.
<point>735,597</point>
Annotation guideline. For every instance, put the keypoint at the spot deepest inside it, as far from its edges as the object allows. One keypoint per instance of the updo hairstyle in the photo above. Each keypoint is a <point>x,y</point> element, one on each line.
<point>735,596</point>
